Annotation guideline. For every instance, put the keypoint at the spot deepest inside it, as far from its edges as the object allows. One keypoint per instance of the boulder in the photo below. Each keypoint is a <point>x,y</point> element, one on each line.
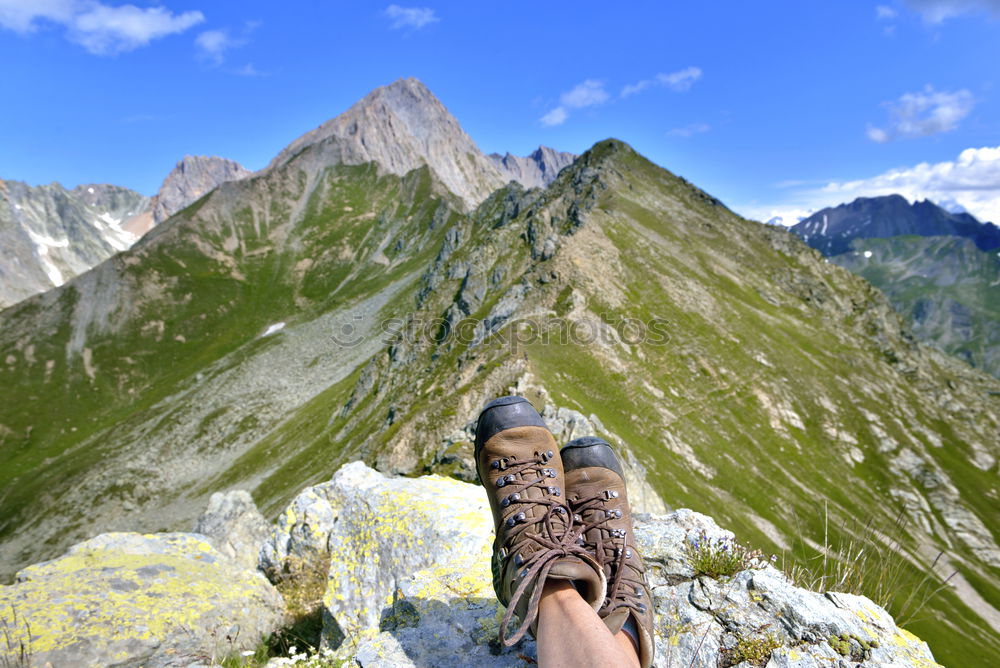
<point>127,599</point>
<point>234,527</point>
<point>410,585</point>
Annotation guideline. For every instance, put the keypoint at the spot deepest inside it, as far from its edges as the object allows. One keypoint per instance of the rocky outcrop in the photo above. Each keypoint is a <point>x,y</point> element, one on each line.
<point>50,234</point>
<point>410,585</point>
<point>234,527</point>
<point>194,176</point>
<point>126,599</point>
<point>535,170</point>
<point>401,127</point>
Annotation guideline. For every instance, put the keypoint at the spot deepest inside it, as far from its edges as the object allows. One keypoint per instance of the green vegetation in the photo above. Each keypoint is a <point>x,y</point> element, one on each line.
<point>781,379</point>
<point>754,650</point>
<point>721,558</point>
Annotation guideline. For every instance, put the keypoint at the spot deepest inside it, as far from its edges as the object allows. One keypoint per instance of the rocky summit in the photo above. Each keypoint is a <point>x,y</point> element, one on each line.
<point>405,581</point>
<point>363,296</point>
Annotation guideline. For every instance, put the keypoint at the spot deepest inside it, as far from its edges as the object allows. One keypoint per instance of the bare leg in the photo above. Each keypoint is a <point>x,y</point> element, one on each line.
<point>571,634</point>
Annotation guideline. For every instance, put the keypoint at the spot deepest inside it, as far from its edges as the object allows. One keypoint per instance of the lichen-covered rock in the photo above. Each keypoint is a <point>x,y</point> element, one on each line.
<point>410,585</point>
<point>126,599</point>
<point>234,527</point>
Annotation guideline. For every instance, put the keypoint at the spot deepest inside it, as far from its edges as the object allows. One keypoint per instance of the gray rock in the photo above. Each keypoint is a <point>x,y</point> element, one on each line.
<point>127,599</point>
<point>50,234</point>
<point>190,179</point>
<point>234,526</point>
<point>536,170</point>
<point>421,594</point>
<point>403,127</point>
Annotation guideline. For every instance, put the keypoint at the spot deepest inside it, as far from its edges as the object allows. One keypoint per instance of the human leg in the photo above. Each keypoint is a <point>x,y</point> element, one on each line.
<point>572,635</point>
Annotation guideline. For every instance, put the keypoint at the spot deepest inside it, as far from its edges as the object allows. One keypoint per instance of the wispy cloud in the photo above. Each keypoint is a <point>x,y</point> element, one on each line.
<point>584,94</point>
<point>885,12</point>
<point>99,28</point>
<point>923,113</point>
<point>937,11</point>
<point>970,182</point>
<point>689,130</point>
<point>410,17</point>
<point>678,81</point>
<point>213,45</point>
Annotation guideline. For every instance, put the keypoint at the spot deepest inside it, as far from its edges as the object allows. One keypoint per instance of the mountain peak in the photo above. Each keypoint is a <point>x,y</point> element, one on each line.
<point>831,230</point>
<point>536,170</point>
<point>402,127</point>
<point>192,177</point>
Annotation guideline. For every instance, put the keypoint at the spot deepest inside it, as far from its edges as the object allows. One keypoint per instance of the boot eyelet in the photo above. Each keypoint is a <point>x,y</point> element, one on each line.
<point>505,502</point>
<point>515,497</point>
<point>501,482</point>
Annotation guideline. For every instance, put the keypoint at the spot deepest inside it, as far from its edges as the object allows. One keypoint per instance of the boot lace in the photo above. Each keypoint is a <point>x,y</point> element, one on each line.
<point>626,576</point>
<point>554,531</point>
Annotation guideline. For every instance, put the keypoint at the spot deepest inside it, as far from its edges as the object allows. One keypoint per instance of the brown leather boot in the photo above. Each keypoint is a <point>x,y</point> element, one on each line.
<point>595,486</point>
<point>536,537</point>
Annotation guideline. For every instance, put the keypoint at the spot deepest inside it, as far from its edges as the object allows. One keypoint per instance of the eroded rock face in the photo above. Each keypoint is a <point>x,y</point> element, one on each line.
<point>410,585</point>
<point>191,178</point>
<point>127,599</point>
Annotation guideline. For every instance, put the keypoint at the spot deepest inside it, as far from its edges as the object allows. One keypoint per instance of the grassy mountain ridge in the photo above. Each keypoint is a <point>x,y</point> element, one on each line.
<point>945,286</point>
<point>753,380</point>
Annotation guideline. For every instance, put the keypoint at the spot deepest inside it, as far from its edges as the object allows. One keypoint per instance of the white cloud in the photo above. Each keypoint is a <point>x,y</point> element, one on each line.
<point>678,81</point>
<point>213,44</point>
<point>884,12</point>
<point>101,29</point>
<point>923,113</point>
<point>970,182</point>
<point>410,17</point>
<point>22,16</point>
<point>557,116</point>
<point>689,130</point>
<point>937,11</point>
<point>585,94</point>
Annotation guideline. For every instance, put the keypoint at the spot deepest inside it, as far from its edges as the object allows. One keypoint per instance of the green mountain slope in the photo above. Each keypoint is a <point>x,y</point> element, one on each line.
<point>945,286</point>
<point>751,379</point>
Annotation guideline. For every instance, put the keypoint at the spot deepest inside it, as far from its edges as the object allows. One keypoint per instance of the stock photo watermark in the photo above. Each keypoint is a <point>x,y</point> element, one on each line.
<point>517,332</point>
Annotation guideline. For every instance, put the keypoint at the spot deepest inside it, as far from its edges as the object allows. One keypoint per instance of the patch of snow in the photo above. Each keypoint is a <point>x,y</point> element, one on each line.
<point>271,329</point>
<point>868,253</point>
<point>18,207</point>
<point>90,190</point>
<point>825,221</point>
<point>42,245</point>
<point>112,232</point>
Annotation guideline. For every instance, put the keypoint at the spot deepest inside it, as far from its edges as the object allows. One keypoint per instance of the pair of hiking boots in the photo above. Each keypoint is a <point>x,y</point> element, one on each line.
<point>559,514</point>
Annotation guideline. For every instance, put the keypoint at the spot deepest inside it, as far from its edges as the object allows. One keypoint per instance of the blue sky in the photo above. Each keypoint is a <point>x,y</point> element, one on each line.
<point>776,108</point>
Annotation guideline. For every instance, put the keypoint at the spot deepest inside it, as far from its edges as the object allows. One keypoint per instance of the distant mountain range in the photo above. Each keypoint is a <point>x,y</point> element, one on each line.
<point>940,269</point>
<point>50,234</point>
<point>832,230</point>
<point>368,291</point>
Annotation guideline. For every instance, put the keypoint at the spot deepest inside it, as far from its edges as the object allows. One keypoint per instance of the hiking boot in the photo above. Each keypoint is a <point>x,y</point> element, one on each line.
<point>596,489</point>
<point>536,537</point>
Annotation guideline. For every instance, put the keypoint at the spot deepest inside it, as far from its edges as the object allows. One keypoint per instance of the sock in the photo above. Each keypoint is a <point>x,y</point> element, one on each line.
<point>632,630</point>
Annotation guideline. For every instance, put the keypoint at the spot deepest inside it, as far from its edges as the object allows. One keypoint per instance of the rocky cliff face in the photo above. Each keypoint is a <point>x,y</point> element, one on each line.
<point>194,176</point>
<point>401,127</point>
<point>407,583</point>
<point>50,234</point>
<point>320,312</point>
<point>536,170</point>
